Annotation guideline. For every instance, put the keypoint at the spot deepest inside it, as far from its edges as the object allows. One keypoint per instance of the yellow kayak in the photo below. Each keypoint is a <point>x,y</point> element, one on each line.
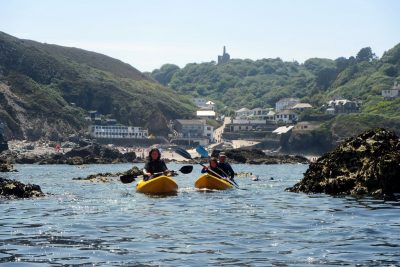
<point>207,181</point>
<point>159,185</point>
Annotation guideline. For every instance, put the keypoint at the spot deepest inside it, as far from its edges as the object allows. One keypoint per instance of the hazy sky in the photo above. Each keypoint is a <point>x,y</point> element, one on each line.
<point>150,33</point>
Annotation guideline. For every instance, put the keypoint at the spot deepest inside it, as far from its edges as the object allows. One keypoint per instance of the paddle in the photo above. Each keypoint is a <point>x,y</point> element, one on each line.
<point>187,155</point>
<point>204,153</point>
<point>129,178</point>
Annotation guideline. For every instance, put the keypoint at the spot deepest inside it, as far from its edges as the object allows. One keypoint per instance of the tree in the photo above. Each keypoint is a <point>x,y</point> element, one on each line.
<point>165,73</point>
<point>341,63</point>
<point>365,54</point>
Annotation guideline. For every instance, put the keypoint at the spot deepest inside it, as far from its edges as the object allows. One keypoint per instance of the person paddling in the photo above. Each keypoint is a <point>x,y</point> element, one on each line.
<point>213,166</point>
<point>225,166</point>
<point>155,164</point>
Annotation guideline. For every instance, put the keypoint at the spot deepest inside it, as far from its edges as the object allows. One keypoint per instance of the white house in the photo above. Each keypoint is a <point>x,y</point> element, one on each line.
<point>209,132</point>
<point>393,92</point>
<point>118,131</point>
<point>343,106</point>
<point>286,103</point>
<point>271,115</point>
<point>194,131</point>
<point>260,113</point>
<point>208,114</point>
<point>301,106</point>
<point>286,116</point>
<point>242,113</point>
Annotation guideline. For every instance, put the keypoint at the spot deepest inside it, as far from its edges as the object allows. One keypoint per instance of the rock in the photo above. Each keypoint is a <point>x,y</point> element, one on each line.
<point>6,163</point>
<point>368,164</point>
<point>92,153</point>
<point>107,177</point>
<point>14,189</point>
<point>257,156</point>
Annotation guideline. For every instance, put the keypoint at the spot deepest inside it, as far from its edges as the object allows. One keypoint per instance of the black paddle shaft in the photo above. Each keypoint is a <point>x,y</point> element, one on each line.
<point>129,178</point>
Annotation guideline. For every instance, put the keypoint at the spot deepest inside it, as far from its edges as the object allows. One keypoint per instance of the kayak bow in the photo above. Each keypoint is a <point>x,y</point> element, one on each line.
<point>208,181</point>
<point>159,185</point>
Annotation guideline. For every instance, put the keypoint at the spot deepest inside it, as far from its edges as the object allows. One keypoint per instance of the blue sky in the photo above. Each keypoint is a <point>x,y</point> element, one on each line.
<point>150,33</point>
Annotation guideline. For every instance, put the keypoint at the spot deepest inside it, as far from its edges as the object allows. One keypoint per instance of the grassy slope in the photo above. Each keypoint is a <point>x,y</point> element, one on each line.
<point>49,78</point>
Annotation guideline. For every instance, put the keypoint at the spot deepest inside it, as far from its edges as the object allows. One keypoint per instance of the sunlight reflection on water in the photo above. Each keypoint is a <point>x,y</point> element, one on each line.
<point>260,224</point>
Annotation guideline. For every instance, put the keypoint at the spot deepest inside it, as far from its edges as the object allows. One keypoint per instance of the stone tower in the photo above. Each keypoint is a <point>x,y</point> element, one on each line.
<point>224,58</point>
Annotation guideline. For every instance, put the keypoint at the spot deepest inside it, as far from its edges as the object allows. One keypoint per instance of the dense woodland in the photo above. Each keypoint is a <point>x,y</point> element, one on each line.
<point>261,83</point>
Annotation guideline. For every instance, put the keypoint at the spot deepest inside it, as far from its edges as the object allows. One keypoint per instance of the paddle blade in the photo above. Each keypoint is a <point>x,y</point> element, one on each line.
<point>127,178</point>
<point>186,169</point>
<point>202,151</point>
<point>183,153</point>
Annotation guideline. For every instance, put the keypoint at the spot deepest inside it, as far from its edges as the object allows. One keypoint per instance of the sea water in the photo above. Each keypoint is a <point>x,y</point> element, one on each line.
<point>83,223</point>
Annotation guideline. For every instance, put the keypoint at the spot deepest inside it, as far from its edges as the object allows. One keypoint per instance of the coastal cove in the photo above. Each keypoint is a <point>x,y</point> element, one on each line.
<point>260,224</point>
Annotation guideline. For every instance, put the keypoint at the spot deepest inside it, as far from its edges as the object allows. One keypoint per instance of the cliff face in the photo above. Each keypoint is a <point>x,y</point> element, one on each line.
<point>368,164</point>
<point>22,120</point>
<point>307,142</point>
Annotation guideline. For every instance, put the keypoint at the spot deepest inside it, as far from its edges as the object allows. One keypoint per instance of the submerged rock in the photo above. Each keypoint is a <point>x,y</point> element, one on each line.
<point>108,177</point>
<point>368,164</point>
<point>14,189</point>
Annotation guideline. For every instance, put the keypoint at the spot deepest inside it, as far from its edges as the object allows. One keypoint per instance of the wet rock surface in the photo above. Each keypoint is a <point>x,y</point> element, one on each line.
<point>89,154</point>
<point>257,156</point>
<point>368,164</point>
<point>109,177</point>
<point>6,163</point>
<point>14,189</point>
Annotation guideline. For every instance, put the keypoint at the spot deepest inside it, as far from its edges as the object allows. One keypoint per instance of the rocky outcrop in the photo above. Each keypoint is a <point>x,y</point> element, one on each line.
<point>108,177</point>
<point>89,154</point>
<point>257,156</point>
<point>14,189</point>
<point>368,164</point>
<point>6,163</point>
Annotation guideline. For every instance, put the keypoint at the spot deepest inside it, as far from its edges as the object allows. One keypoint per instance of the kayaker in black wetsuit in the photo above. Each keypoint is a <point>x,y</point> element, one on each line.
<point>213,167</point>
<point>225,166</point>
<point>154,165</point>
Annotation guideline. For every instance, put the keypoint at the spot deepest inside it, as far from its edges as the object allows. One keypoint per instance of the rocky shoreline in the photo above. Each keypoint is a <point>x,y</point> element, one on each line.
<point>94,153</point>
<point>367,164</point>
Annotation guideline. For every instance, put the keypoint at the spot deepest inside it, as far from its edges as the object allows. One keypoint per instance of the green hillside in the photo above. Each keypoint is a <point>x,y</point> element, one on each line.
<point>54,87</point>
<point>261,83</point>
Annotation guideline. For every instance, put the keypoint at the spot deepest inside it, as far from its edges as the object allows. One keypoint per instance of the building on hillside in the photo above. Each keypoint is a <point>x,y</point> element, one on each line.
<point>199,102</point>
<point>261,114</point>
<point>300,107</point>
<point>286,116</point>
<point>224,58</point>
<point>192,132</point>
<point>117,132</point>
<point>342,106</point>
<point>110,129</point>
<point>206,114</point>
<point>210,105</point>
<point>242,113</point>
<point>393,92</point>
<point>286,103</point>
<point>271,116</point>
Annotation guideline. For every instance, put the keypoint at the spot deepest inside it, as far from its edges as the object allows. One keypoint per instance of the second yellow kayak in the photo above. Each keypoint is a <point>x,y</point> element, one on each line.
<point>207,181</point>
<point>159,185</point>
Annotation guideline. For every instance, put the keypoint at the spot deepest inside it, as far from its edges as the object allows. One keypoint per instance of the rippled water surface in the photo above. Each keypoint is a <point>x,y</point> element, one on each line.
<point>108,224</point>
